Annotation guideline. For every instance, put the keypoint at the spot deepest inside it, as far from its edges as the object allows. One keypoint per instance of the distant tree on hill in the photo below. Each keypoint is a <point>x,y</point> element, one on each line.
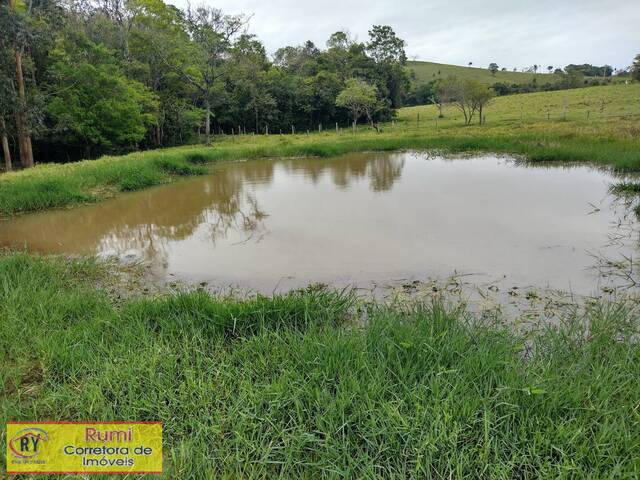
<point>550,68</point>
<point>635,69</point>
<point>535,69</point>
<point>493,68</point>
<point>589,70</point>
<point>471,64</point>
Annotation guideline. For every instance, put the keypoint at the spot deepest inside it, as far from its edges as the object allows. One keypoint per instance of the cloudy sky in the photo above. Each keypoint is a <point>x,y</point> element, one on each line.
<point>513,33</point>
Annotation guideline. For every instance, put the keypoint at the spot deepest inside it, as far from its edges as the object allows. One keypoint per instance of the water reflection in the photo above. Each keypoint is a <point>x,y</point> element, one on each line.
<point>353,220</point>
<point>144,223</point>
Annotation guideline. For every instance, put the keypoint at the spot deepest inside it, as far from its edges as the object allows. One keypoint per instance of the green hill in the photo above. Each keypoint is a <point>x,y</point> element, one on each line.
<point>427,71</point>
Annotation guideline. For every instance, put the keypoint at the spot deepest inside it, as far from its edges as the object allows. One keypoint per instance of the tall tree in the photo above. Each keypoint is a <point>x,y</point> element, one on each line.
<point>212,33</point>
<point>16,34</point>
<point>387,50</point>
<point>7,98</point>
<point>27,28</point>
<point>493,68</point>
<point>158,44</point>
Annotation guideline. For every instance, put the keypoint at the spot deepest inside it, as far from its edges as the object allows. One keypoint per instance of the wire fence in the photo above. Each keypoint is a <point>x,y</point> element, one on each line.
<point>451,119</point>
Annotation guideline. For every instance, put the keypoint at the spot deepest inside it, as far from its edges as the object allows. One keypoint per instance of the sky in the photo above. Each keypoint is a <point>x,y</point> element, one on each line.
<point>512,33</point>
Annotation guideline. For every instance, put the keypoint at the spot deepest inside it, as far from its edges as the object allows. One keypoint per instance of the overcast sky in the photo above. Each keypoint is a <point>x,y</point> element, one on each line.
<point>512,33</point>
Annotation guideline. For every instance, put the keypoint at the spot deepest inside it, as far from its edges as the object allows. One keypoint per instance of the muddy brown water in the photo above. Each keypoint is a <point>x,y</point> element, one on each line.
<point>360,219</point>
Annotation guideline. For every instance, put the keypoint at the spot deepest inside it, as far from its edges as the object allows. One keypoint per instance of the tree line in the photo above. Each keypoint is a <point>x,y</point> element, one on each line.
<point>88,77</point>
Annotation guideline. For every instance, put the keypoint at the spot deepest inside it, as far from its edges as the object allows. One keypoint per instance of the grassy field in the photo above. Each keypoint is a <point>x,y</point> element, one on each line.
<point>299,386</point>
<point>598,124</point>
<point>428,71</point>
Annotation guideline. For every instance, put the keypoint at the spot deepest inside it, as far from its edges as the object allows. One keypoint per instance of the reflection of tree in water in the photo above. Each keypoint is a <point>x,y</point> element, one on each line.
<point>616,262</point>
<point>246,218</point>
<point>143,224</point>
<point>216,204</point>
<point>383,169</point>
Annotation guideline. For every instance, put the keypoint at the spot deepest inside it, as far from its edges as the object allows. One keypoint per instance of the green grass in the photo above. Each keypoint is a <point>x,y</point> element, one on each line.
<point>626,188</point>
<point>313,385</point>
<point>599,125</point>
<point>428,71</point>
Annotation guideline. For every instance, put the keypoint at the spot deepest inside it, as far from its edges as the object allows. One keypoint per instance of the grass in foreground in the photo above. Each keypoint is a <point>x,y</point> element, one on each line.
<point>291,386</point>
<point>601,126</point>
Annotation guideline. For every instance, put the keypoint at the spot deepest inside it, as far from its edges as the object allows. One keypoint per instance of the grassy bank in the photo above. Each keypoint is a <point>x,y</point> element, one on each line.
<point>295,386</point>
<point>598,125</point>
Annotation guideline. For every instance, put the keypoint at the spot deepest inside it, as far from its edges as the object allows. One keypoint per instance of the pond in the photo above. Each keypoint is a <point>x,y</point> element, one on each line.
<point>362,219</point>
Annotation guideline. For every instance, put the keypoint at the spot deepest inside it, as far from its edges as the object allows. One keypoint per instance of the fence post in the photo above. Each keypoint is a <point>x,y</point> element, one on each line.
<point>293,130</point>
<point>336,127</point>
<point>418,124</point>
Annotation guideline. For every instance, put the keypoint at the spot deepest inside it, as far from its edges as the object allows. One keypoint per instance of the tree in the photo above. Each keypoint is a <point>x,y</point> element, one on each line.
<point>102,76</point>
<point>390,75</point>
<point>27,29</point>
<point>446,91</point>
<point>493,68</point>
<point>384,46</point>
<point>16,36</point>
<point>212,33</point>
<point>588,70</point>
<point>550,69</point>
<point>359,98</point>
<point>339,40</point>
<point>481,96</point>
<point>156,46</point>
<point>7,99</point>
<point>469,96</point>
<point>463,101</point>
<point>635,69</point>
<point>95,105</point>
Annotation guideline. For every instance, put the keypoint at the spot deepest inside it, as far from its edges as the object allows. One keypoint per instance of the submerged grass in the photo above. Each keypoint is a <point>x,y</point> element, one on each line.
<point>601,127</point>
<point>291,386</point>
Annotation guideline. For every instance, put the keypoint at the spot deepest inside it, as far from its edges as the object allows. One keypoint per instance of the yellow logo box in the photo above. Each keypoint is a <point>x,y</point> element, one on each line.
<point>84,447</point>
